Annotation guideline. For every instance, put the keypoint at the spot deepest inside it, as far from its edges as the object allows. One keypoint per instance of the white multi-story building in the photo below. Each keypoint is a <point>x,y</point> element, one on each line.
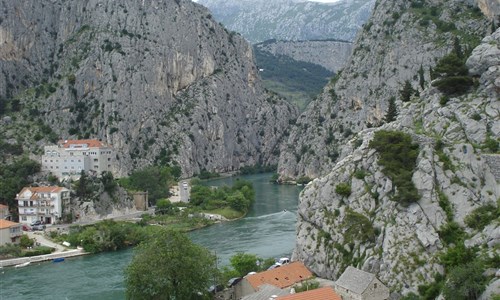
<point>71,157</point>
<point>43,203</point>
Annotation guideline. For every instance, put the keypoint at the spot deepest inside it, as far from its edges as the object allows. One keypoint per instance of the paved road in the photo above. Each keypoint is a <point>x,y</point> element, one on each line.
<point>38,236</point>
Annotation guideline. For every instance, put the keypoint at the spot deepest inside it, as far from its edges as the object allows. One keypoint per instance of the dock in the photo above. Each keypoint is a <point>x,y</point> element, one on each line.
<point>40,258</point>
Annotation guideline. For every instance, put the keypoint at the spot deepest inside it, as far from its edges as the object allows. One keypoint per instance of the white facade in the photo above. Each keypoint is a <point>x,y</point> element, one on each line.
<point>71,157</point>
<point>42,204</point>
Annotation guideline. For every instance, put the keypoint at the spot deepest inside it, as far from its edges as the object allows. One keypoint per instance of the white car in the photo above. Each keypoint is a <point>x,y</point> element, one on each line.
<point>185,185</point>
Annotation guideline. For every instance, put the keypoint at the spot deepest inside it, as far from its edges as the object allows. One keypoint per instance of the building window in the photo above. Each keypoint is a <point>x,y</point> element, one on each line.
<point>24,218</point>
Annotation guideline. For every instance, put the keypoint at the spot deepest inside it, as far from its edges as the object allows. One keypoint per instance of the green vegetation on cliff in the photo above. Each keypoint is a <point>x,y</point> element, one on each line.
<point>398,156</point>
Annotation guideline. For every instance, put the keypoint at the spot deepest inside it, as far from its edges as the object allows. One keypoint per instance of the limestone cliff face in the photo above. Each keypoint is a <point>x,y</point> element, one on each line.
<point>402,244</point>
<point>396,42</point>
<point>260,20</point>
<point>159,80</point>
<point>331,55</point>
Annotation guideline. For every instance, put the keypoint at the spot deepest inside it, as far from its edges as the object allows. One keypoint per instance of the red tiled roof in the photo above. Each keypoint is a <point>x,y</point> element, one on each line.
<point>2,207</point>
<point>281,277</point>
<point>42,189</point>
<point>89,143</point>
<point>7,224</point>
<point>324,293</point>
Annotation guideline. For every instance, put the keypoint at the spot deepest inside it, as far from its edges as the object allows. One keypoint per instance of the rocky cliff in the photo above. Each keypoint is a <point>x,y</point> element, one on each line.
<point>329,54</point>
<point>260,20</point>
<point>397,44</point>
<point>350,215</point>
<point>161,81</point>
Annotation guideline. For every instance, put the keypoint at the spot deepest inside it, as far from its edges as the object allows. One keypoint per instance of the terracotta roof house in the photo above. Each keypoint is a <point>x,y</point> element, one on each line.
<point>282,277</point>
<point>44,203</point>
<point>10,232</point>
<point>355,284</point>
<point>324,293</point>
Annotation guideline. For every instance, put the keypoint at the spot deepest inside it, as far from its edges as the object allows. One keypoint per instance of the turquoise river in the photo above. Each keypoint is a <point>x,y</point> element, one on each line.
<point>268,231</point>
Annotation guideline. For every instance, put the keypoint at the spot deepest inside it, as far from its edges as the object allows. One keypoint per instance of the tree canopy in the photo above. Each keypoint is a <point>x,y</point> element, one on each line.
<point>170,266</point>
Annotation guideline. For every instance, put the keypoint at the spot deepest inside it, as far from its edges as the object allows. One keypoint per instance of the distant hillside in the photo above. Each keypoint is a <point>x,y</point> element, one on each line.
<point>298,81</point>
<point>330,54</point>
<point>260,20</point>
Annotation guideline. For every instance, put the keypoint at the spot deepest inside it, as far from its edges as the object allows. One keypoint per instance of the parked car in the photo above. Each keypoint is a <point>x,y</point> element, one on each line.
<point>185,185</point>
<point>26,227</point>
<point>37,222</point>
<point>38,227</point>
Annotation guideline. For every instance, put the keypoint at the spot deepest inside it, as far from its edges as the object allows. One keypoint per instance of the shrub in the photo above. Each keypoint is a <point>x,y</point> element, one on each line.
<point>303,180</point>
<point>482,216</point>
<point>358,227</point>
<point>454,85</point>
<point>360,174</point>
<point>465,282</point>
<point>307,285</point>
<point>398,155</point>
<point>451,233</point>
<point>343,189</point>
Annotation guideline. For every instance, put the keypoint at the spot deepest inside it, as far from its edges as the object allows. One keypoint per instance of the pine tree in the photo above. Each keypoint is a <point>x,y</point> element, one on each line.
<point>457,48</point>
<point>392,111</point>
<point>407,91</point>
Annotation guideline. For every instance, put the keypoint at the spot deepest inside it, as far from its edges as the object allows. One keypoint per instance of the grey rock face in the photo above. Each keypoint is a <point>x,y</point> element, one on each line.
<point>161,81</point>
<point>367,229</point>
<point>260,20</point>
<point>331,55</point>
<point>391,49</point>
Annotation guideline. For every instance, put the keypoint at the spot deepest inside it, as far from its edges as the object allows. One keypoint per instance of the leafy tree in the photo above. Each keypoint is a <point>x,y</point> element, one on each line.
<point>169,266</point>
<point>244,263</point>
<point>13,177</point>
<point>237,201</point>
<point>164,207</point>
<point>155,180</point>
<point>26,241</point>
<point>465,282</point>
<point>108,182</point>
<point>392,110</point>
<point>83,186</point>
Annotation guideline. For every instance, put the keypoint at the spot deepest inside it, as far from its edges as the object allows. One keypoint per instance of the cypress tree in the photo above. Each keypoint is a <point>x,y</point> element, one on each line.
<point>407,91</point>
<point>392,110</point>
<point>421,79</point>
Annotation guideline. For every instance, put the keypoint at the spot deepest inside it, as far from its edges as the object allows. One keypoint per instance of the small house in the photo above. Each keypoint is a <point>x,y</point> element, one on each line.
<point>355,284</point>
<point>281,277</point>
<point>10,232</point>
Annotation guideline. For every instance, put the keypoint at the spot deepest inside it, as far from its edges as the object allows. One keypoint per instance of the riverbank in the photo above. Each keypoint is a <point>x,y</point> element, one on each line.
<point>46,257</point>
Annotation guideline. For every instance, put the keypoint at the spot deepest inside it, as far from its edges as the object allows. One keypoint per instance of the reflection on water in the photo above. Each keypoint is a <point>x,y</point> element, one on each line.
<point>268,231</point>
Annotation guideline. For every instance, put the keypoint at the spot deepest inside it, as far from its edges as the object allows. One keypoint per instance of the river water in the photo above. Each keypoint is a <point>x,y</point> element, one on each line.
<point>267,231</point>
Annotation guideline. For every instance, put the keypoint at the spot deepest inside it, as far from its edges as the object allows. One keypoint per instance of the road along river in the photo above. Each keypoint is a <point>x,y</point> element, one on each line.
<point>268,231</point>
